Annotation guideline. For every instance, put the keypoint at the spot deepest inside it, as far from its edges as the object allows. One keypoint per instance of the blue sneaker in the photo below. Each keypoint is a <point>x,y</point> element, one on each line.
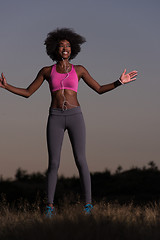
<point>88,208</point>
<point>50,212</point>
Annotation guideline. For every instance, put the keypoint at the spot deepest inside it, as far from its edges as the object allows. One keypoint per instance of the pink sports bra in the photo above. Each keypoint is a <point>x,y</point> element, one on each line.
<point>59,81</point>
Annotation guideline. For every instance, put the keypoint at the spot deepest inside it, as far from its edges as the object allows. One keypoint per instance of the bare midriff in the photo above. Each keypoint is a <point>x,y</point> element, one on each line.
<point>70,97</point>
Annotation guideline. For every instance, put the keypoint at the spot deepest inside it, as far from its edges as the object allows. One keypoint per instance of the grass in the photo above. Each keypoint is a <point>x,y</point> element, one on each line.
<point>108,221</point>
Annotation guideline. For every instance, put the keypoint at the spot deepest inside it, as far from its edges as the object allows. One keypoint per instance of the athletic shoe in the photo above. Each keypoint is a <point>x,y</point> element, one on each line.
<point>50,212</point>
<point>88,208</point>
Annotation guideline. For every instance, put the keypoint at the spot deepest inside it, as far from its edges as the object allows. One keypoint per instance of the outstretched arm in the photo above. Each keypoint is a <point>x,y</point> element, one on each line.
<point>24,92</point>
<point>124,78</point>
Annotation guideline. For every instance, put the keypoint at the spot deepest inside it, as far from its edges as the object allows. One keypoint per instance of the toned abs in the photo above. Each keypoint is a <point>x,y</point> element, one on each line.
<point>57,99</point>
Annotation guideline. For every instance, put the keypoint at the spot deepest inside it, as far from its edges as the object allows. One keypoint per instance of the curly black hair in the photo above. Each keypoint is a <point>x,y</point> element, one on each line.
<point>54,37</point>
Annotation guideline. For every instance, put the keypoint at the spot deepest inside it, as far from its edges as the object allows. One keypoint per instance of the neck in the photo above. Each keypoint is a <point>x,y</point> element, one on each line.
<point>63,63</point>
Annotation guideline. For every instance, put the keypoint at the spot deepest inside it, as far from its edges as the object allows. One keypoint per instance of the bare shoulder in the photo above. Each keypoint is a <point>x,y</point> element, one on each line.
<point>80,70</point>
<point>46,71</point>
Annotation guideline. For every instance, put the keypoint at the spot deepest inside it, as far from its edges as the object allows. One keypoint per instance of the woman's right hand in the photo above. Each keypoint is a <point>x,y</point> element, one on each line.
<point>3,81</point>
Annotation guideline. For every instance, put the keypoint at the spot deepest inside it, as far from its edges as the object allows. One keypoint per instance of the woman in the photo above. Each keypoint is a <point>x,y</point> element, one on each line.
<point>62,45</point>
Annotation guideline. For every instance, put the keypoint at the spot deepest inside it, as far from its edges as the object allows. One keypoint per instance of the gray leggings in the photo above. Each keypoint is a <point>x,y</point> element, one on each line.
<point>58,122</point>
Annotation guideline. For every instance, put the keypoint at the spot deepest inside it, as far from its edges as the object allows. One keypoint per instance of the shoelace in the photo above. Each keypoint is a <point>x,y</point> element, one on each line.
<point>49,211</point>
<point>88,208</point>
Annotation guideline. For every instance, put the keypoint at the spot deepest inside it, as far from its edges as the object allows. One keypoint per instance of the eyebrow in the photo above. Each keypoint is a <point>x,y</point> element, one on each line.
<point>64,43</point>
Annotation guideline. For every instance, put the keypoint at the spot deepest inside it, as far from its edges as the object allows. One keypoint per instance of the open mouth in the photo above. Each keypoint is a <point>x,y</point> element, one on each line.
<point>65,52</point>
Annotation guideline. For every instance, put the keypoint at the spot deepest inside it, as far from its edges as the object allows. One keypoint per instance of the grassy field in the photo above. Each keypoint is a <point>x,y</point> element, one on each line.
<point>108,221</point>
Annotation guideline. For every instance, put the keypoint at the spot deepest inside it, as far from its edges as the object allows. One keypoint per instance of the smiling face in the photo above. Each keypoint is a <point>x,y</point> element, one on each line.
<point>64,49</point>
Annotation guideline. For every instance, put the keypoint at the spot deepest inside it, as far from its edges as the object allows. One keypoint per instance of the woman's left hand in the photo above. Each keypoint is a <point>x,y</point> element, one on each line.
<point>126,78</point>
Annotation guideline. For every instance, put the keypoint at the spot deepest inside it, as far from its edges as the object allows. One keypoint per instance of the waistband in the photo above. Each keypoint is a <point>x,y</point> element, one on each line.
<point>67,112</point>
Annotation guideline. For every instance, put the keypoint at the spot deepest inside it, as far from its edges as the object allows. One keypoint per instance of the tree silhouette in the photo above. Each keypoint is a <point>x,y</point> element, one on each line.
<point>152,165</point>
<point>119,169</point>
<point>21,175</point>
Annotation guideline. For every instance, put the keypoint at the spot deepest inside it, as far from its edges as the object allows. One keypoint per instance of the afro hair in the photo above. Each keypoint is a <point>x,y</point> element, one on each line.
<point>54,37</point>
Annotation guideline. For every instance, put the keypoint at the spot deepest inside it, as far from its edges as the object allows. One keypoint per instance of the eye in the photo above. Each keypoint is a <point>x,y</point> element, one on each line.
<point>61,46</point>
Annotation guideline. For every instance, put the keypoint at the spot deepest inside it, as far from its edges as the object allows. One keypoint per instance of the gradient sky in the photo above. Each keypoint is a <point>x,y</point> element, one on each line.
<point>122,125</point>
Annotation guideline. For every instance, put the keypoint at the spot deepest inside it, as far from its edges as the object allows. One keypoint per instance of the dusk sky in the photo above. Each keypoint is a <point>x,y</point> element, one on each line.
<point>122,125</point>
